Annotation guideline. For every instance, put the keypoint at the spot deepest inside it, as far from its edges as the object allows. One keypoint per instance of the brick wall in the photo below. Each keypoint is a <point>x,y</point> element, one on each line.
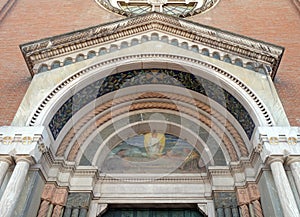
<point>272,21</point>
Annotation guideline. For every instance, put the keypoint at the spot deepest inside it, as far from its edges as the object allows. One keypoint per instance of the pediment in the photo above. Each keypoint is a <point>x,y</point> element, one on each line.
<point>58,51</point>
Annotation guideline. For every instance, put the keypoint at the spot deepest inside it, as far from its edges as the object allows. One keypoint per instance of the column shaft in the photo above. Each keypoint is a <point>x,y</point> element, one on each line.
<point>13,189</point>
<point>295,167</point>
<point>286,197</point>
<point>4,165</point>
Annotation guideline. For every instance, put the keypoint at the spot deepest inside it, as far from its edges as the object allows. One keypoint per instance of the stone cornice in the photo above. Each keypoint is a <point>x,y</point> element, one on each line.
<point>29,142</point>
<point>273,143</point>
<point>62,45</point>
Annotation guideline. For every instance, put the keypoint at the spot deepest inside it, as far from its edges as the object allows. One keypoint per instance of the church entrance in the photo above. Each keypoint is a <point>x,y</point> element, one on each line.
<point>152,212</point>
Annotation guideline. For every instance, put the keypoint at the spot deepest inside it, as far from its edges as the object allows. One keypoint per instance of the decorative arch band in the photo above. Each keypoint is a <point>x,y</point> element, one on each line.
<point>140,77</point>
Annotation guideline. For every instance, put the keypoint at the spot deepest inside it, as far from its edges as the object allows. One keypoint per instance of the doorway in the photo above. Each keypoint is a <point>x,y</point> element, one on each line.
<point>152,212</point>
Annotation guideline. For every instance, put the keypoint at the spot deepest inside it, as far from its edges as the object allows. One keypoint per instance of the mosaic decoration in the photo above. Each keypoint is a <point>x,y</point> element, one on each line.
<point>153,153</point>
<point>145,77</point>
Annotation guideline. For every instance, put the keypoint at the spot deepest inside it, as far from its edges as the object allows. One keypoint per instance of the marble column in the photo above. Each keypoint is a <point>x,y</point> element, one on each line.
<point>294,163</point>
<point>286,197</point>
<point>14,187</point>
<point>5,162</point>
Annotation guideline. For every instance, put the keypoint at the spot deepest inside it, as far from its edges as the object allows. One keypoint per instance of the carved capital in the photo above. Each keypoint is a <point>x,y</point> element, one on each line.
<point>275,158</point>
<point>25,158</point>
<point>48,192</point>
<point>243,196</point>
<point>292,159</point>
<point>60,196</point>
<point>6,158</point>
<point>253,192</point>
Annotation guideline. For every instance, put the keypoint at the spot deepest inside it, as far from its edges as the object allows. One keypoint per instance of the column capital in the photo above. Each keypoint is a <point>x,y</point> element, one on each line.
<point>6,158</point>
<point>292,159</point>
<point>242,196</point>
<point>25,158</point>
<point>275,158</point>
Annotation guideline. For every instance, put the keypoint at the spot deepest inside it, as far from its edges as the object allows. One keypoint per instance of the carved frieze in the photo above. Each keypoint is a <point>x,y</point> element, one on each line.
<point>23,141</point>
<point>35,53</point>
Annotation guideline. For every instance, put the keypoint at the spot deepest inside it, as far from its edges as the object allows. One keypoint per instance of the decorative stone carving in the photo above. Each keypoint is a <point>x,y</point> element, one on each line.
<point>249,196</point>
<point>24,141</point>
<point>48,192</point>
<point>257,208</point>
<point>60,196</point>
<point>277,142</point>
<point>43,210</point>
<point>53,201</point>
<point>253,192</point>
<point>163,6</point>
<point>37,52</point>
<point>243,196</point>
<point>245,210</point>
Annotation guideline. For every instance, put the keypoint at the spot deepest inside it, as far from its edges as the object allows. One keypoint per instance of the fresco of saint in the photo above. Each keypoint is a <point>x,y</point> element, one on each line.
<point>154,144</point>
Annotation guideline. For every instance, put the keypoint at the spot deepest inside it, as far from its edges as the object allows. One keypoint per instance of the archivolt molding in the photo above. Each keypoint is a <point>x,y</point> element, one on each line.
<point>154,58</point>
<point>64,45</point>
<point>152,105</point>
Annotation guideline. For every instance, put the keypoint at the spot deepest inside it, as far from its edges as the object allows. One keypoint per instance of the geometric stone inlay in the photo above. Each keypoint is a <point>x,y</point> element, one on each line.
<point>169,77</point>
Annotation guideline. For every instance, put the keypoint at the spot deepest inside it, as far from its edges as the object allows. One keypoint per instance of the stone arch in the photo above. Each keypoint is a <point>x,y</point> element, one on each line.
<point>210,75</point>
<point>227,80</point>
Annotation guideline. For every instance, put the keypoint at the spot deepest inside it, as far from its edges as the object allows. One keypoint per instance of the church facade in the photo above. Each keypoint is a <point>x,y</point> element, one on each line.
<point>149,108</point>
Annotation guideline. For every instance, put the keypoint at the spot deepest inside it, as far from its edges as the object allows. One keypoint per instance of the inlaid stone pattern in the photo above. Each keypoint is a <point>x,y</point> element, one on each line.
<point>146,77</point>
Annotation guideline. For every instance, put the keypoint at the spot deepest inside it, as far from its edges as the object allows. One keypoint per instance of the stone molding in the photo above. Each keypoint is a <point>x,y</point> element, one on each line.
<point>242,148</point>
<point>67,174</point>
<point>157,57</point>
<point>39,51</point>
<point>277,143</point>
<point>7,158</point>
<point>24,142</point>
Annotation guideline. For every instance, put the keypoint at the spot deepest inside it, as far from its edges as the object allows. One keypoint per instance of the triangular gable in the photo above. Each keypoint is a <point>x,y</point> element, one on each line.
<point>262,54</point>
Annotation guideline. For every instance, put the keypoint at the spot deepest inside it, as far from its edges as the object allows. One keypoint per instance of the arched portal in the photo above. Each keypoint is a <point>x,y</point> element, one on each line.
<point>149,112</point>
